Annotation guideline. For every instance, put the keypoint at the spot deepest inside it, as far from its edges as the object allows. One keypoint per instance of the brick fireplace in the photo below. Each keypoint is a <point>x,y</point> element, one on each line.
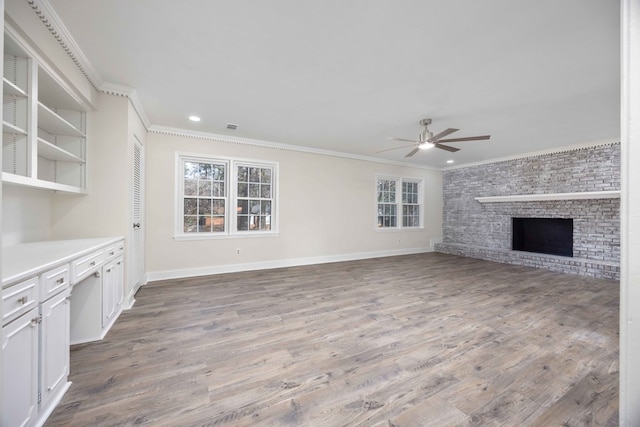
<point>579,184</point>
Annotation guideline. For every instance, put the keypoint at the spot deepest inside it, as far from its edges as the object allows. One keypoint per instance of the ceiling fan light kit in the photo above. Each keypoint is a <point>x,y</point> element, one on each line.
<point>427,139</point>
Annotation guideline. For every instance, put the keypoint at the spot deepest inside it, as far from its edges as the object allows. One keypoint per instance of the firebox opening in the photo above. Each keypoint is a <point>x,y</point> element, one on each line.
<point>553,236</point>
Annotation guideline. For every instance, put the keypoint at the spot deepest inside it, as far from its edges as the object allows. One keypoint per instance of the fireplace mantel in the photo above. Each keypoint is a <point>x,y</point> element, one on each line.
<point>613,194</point>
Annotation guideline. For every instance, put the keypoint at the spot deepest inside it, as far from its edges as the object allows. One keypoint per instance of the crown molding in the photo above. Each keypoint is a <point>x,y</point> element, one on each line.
<point>164,130</point>
<point>127,92</point>
<point>45,11</point>
<point>565,149</point>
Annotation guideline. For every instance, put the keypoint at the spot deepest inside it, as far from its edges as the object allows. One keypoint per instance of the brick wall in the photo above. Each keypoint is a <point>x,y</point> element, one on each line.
<point>483,230</point>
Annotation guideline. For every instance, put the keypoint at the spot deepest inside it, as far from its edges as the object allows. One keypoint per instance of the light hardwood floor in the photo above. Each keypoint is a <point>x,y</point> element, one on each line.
<point>418,340</point>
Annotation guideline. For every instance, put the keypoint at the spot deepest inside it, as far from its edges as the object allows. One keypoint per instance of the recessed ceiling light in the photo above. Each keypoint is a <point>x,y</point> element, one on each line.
<point>449,161</point>
<point>194,118</point>
<point>232,126</point>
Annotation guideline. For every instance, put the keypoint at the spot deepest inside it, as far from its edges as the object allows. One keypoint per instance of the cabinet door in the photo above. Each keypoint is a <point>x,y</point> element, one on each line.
<point>108,292</point>
<point>20,370</point>
<point>119,282</point>
<point>54,339</point>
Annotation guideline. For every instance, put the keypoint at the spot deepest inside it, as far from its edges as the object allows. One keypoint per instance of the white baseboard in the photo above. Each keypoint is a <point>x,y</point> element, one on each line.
<point>130,299</point>
<point>265,265</point>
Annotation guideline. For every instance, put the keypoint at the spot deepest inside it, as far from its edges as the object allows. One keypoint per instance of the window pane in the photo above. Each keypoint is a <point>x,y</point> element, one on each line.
<point>204,206</point>
<point>218,173</point>
<point>254,175</point>
<point>265,223</point>
<point>243,173</point>
<point>190,187</point>
<point>243,190</point>
<point>190,206</point>
<point>266,176</point>
<point>205,170</point>
<point>218,189</point>
<point>218,207</point>
<point>255,206</point>
<point>190,224</point>
<point>190,170</point>
<point>218,223</point>
<point>243,223</point>
<point>265,191</point>
<point>243,207</point>
<point>204,188</point>
<point>254,190</point>
<point>266,207</point>
<point>204,224</point>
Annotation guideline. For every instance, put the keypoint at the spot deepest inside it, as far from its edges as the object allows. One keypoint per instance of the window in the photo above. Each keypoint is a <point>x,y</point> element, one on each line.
<point>254,198</point>
<point>395,195</point>
<point>222,197</point>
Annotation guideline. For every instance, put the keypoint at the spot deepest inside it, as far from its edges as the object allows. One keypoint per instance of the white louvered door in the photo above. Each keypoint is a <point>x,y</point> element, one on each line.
<point>137,267</point>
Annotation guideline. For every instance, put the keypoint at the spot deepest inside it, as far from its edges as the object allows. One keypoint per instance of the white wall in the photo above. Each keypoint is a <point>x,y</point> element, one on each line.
<point>26,215</point>
<point>326,211</point>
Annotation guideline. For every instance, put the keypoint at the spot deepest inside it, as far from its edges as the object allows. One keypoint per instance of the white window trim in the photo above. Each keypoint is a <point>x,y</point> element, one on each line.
<point>230,220</point>
<point>399,180</point>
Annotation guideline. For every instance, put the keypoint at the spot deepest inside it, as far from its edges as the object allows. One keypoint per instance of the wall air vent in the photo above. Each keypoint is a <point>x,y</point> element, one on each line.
<point>232,126</point>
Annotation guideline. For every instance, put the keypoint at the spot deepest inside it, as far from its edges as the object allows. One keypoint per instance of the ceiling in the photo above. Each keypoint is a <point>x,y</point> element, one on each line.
<point>346,75</point>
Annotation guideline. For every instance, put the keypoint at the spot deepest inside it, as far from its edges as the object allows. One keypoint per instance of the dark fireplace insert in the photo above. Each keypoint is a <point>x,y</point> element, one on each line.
<point>553,236</point>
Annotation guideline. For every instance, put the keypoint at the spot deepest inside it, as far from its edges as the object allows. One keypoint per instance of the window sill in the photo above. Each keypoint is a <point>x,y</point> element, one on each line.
<point>248,235</point>
<point>390,229</point>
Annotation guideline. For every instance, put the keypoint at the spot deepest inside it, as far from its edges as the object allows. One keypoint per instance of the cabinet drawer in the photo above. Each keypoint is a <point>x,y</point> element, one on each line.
<point>113,251</point>
<point>18,299</point>
<point>54,281</point>
<point>86,266</point>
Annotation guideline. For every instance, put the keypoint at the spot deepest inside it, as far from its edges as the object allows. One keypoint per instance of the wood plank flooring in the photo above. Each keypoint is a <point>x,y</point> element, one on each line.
<point>417,340</point>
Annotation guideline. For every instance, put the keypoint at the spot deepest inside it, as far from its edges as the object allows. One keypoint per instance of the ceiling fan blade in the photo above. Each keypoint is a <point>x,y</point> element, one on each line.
<point>396,148</point>
<point>469,138</point>
<point>412,152</point>
<point>447,148</point>
<point>401,139</point>
<point>443,134</point>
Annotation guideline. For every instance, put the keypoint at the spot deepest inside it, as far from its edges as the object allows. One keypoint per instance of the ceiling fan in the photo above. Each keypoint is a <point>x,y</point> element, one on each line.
<point>427,140</point>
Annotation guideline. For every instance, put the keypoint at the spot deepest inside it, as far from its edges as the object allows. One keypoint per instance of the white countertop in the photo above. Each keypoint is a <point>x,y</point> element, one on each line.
<point>26,260</point>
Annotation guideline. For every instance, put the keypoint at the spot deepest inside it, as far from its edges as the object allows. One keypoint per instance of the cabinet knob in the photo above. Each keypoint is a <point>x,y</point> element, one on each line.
<point>60,281</point>
<point>136,225</point>
<point>23,300</point>
<point>92,264</point>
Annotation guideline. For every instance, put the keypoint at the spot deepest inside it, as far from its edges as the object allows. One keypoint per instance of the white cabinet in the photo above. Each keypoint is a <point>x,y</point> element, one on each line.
<point>108,293</point>
<point>54,346</point>
<point>112,289</point>
<point>20,348</point>
<point>51,291</point>
<point>20,370</point>
<point>98,288</point>
<point>44,124</point>
<point>35,345</point>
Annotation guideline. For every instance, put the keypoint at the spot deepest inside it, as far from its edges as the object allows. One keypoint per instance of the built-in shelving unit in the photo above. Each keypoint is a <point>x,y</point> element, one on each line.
<point>612,194</point>
<point>44,125</point>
